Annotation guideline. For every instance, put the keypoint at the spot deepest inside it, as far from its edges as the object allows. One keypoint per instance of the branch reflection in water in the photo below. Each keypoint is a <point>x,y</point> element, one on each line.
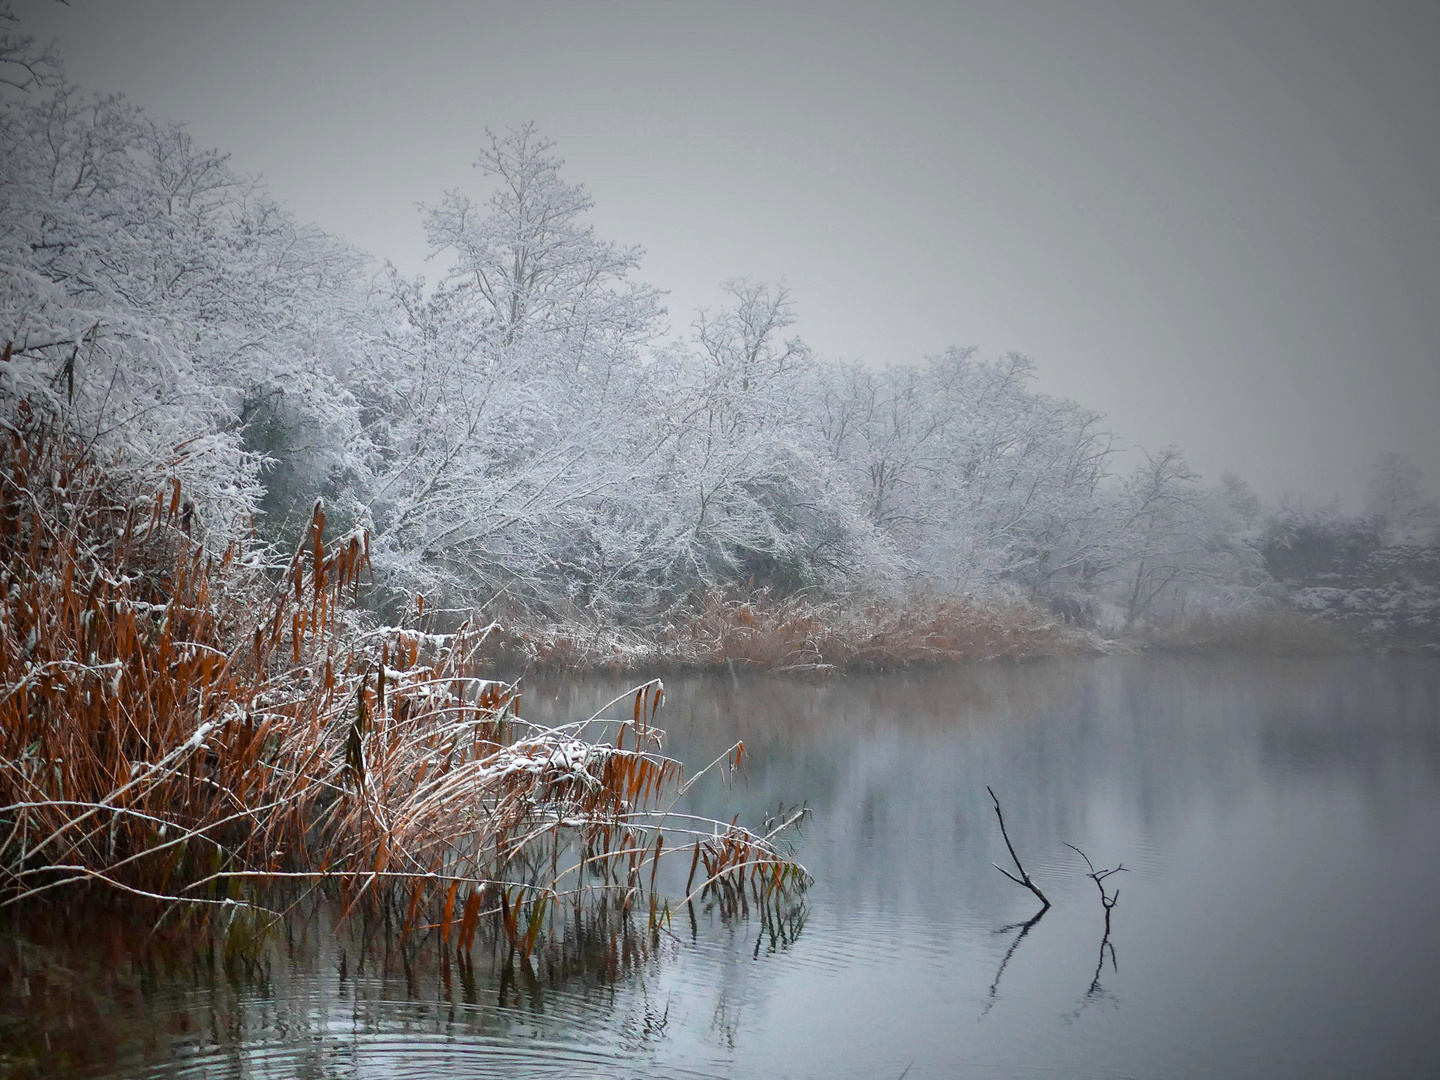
<point>1024,929</point>
<point>1108,901</point>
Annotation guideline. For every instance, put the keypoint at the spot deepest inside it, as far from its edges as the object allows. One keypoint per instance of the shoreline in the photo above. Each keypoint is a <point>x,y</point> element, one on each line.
<point>790,636</point>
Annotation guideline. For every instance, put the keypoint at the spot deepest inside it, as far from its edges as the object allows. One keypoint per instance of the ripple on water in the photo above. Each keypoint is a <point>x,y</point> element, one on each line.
<point>399,1050</point>
<point>408,1055</point>
<point>1220,972</point>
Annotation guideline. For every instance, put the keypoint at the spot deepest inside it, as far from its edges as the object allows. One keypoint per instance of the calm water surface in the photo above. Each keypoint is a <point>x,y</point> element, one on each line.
<point>1280,822</point>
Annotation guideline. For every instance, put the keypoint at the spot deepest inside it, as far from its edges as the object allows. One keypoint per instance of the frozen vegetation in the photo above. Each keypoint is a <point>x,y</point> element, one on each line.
<point>525,437</point>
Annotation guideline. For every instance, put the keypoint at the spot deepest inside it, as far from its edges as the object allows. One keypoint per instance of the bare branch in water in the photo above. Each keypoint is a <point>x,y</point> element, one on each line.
<point>1024,878</point>
<point>1107,901</point>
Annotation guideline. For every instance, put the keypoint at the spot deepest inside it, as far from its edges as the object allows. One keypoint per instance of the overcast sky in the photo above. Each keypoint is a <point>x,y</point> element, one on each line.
<point>1216,223</point>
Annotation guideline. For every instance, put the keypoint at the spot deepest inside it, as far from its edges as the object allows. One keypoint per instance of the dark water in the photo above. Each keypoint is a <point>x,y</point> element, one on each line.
<point>1280,822</point>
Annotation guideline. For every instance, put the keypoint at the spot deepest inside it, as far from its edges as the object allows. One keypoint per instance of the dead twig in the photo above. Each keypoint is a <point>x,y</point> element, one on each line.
<point>1107,901</point>
<point>1024,879</point>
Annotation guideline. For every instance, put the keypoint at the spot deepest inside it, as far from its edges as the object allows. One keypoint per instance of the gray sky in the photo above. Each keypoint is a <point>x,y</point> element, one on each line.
<point>1216,223</point>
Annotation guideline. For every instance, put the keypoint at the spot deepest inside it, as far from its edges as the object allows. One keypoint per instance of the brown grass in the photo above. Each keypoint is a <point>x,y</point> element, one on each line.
<point>796,632</point>
<point>180,725</point>
<point>760,629</point>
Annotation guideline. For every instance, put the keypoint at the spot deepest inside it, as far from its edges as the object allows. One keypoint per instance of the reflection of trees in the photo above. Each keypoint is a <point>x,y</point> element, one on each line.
<point>894,767</point>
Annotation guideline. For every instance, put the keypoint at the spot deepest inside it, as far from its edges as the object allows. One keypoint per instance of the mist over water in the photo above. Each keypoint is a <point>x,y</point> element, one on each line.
<point>352,355</point>
<point>1279,823</point>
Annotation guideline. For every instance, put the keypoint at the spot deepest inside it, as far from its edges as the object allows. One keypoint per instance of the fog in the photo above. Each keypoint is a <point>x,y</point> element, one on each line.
<point>1213,223</point>
<point>357,359</point>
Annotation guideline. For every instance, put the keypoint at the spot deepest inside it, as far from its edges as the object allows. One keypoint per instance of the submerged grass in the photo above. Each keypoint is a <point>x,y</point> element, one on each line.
<point>195,727</point>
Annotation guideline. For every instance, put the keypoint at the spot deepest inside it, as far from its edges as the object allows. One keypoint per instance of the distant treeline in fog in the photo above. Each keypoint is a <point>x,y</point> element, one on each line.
<point>524,429</point>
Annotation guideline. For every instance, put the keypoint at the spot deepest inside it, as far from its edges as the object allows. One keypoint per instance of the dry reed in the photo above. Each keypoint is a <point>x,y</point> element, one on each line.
<point>186,725</point>
<point>757,628</point>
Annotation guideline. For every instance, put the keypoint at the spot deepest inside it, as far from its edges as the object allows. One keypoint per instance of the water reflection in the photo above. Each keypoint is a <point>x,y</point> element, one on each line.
<point>1279,821</point>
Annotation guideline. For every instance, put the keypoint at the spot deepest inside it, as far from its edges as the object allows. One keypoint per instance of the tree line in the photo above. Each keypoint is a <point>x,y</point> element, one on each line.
<point>524,428</point>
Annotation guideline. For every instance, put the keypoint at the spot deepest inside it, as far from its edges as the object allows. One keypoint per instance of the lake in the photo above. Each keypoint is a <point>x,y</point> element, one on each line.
<point>1279,822</point>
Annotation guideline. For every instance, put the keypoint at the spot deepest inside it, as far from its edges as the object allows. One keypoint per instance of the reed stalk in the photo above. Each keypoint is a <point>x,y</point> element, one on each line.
<point>196,727</point>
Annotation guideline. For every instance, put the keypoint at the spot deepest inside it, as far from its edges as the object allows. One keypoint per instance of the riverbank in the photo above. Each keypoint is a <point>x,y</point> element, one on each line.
<point>1266,632</point>
<point>764,632</point>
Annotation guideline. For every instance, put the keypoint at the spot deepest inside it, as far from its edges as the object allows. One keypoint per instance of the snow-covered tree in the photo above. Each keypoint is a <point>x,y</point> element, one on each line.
<point>516,427</point>
<point>1395,499</point>
<point>757,493</point>
<point>502,401</point>
<point>163,302</point>
<point>968,471</point>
